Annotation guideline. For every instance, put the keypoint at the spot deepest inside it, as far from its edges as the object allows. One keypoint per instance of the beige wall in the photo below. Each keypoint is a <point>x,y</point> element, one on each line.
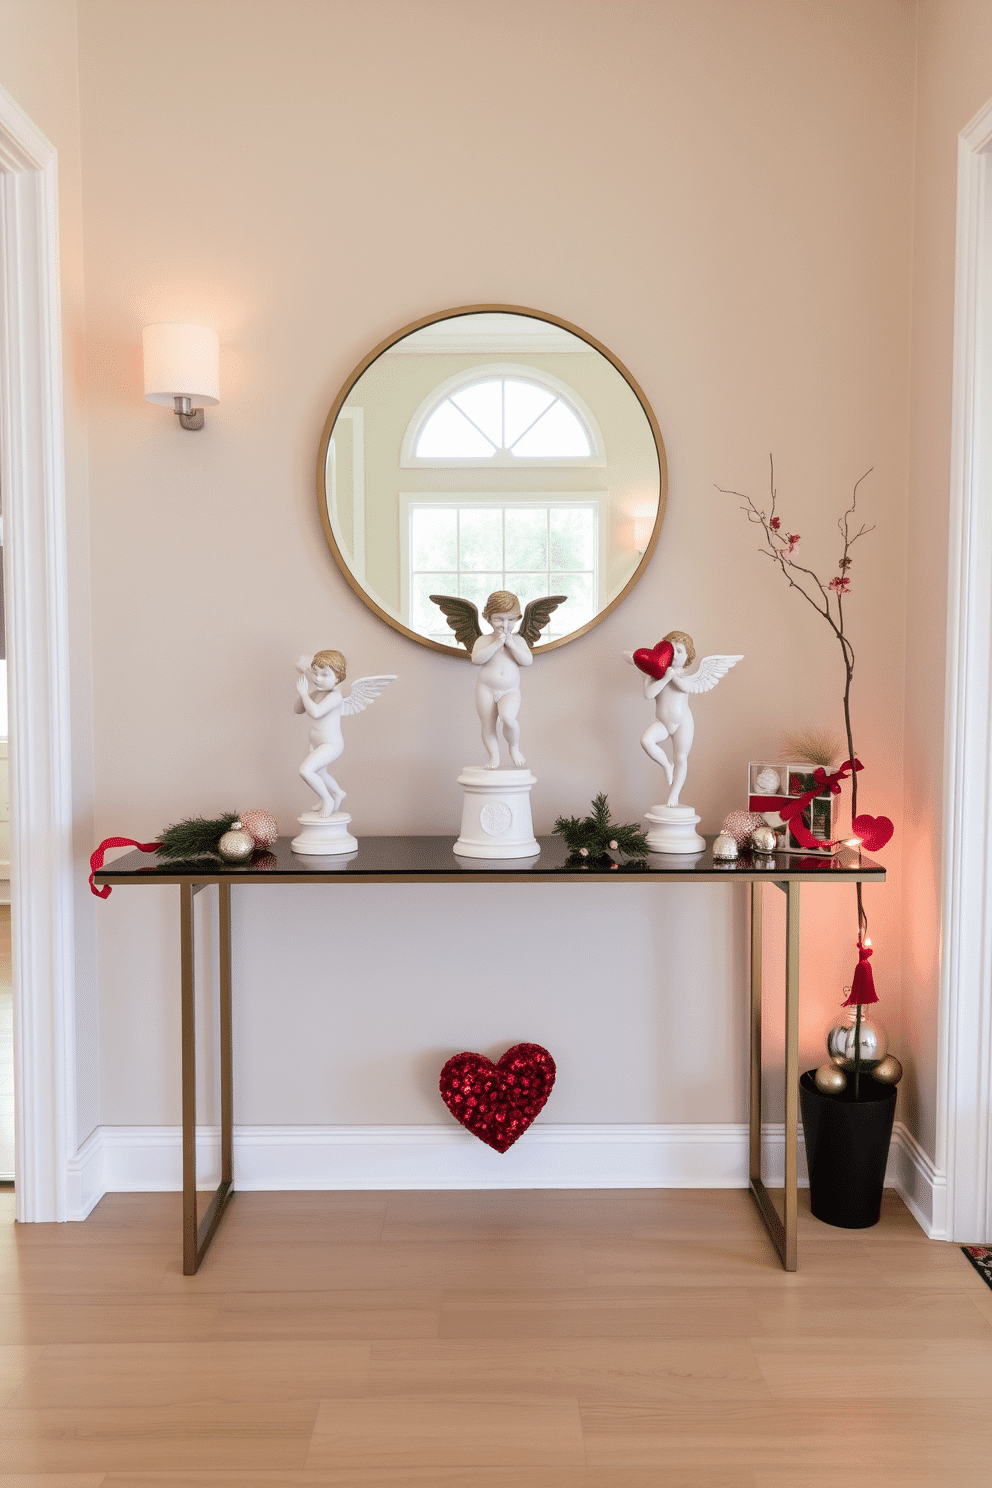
<point>39,69</point>
<point>721,193</point>
<point>954,82</point>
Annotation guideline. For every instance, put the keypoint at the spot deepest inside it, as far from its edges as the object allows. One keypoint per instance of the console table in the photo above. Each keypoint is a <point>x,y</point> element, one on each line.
<point>431,860</point>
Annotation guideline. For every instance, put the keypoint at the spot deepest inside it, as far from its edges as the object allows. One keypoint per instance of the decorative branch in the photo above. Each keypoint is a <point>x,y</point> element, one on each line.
<point>826,598</point>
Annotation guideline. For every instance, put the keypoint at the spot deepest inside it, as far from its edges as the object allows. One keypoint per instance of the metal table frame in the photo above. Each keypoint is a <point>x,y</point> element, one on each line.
<point>197,1235</point>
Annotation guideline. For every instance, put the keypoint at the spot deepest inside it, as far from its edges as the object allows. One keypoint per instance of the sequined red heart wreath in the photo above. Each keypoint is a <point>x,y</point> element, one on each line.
<point>498,1102</point>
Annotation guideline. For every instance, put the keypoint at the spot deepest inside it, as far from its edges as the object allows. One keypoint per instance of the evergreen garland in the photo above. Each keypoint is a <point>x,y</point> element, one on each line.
<point>591,839</point>
<point>197,837</point>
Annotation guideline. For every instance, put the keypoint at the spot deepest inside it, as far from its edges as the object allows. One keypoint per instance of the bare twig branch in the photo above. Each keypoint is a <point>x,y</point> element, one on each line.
<point>804,580</point>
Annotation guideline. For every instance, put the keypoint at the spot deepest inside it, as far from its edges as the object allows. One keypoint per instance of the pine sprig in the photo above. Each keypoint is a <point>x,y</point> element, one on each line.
<point>197,837</point>
<point>596,836</point>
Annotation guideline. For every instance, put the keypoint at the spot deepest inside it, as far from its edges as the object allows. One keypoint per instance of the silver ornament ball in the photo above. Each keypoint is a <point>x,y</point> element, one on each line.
<point>725,846</point>
<point>841,1041</point>
<point>830,1080</point>
<point>763,840</point>
<point>236,844</point>
<point>769,782</point>
<point>889,1071</point>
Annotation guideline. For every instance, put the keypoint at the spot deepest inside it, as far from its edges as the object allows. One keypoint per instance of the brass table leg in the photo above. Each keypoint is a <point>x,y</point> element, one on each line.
<point>754,1154</point>
<point>789,1257</point>
<point>783,1233</point>
<point>196,1238</point>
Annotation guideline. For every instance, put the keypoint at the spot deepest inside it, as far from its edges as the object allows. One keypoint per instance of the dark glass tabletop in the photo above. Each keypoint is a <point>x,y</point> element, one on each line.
<point>426,859</point>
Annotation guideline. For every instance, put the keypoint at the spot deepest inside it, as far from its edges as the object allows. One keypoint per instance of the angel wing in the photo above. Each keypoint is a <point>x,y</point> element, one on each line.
<point>708,673</point>
<point>537,615</point>
<point>462,616</point>
<point>363,692</point>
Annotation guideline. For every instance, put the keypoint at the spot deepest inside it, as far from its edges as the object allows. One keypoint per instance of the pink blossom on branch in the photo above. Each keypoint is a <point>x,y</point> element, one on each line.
<point>840,585</point>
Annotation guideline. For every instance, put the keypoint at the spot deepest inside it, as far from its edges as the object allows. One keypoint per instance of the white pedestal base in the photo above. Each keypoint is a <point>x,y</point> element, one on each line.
<point>324,835</point>
<point>496,819</point>
<point>673,830</point>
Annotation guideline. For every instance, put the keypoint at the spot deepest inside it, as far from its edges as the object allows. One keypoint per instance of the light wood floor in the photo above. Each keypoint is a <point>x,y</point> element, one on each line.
<point>489,1340</point>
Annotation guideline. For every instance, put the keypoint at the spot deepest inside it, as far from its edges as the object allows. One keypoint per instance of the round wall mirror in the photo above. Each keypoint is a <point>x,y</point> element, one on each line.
<point>486,448</point>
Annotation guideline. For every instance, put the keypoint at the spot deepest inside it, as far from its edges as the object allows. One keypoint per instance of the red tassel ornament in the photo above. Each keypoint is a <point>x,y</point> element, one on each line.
<point>863,981</point>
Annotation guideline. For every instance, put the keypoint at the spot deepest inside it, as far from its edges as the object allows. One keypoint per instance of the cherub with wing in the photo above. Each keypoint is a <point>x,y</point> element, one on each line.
<point>499,655</point>
<point>673,720</point>
<point>318,693</point>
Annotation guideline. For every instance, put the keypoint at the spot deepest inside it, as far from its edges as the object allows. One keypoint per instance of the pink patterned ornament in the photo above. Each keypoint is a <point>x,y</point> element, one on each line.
<point>739,825</point>
<point>262,825</point>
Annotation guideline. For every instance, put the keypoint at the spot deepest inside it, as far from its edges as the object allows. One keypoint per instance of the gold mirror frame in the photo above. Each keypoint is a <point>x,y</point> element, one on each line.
<point>418,325</point>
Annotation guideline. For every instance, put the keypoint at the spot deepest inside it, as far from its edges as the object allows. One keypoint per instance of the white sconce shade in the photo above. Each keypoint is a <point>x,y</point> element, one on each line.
<point>181,368</point>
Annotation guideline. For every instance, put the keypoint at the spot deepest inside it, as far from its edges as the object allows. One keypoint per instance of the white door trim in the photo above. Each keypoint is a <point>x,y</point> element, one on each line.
<point>964,1089</point>
<point>32,479</point>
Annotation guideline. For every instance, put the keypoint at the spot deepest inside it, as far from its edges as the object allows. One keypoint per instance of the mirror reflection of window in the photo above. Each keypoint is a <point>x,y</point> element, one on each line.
<point>503,416</point>
<point>531,548</point>
<point>537,455</point>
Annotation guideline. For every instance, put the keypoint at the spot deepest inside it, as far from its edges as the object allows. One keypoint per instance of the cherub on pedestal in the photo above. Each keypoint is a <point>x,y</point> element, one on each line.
<point>496,815</point>
<point>319,695</point>
<point>666,684</point>
<point>499,655</point>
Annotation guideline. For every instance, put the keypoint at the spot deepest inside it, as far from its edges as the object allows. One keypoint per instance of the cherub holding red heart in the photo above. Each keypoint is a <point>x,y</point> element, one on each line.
<point>668,687</point>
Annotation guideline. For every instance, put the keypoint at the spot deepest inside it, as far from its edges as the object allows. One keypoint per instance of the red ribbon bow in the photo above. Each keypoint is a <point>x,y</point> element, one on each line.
<point>793,812</point>
<point>832,782</point>
<point>97,857</point>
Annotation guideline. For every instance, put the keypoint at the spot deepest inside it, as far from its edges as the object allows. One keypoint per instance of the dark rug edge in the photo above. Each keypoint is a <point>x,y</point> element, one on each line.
<point>982,1261</point>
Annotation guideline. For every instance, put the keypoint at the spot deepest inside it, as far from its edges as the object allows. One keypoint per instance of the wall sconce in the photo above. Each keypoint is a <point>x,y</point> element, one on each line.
<point>181,369</point>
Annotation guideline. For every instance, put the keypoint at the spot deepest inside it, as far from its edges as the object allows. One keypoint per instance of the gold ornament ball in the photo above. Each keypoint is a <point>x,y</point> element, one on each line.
<point>236,845</point>
<point>889,1071</point>
<point>830,1080</point>
<point>763,840</point>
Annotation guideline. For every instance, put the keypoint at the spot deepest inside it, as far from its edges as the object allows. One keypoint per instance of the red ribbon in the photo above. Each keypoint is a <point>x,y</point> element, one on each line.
<point>792,813</point>
<point>863,982</point>
<point>769,803</point>
<point>97,857</point>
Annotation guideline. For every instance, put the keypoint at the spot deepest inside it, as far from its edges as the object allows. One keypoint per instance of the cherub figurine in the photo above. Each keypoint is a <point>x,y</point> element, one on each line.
<point>499,655</point>
<point>670,691</point>
<point>327,706</point>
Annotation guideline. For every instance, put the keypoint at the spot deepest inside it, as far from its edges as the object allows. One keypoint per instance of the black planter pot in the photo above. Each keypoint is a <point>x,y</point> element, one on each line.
<point>847,1143</point>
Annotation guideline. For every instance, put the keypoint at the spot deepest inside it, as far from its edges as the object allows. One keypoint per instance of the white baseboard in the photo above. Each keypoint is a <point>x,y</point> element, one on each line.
<point>141,1159</point>
<point>919,1184</point>
<point>87,1183</point>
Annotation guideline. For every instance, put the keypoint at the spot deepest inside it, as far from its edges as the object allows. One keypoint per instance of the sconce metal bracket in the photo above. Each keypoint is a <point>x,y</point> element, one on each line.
<point>188,416</point>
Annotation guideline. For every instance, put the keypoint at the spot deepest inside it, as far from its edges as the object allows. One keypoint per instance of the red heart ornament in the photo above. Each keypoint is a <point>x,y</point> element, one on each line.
<point>498,1102</point>
<point>655,663</point>
<point>874,831</point>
